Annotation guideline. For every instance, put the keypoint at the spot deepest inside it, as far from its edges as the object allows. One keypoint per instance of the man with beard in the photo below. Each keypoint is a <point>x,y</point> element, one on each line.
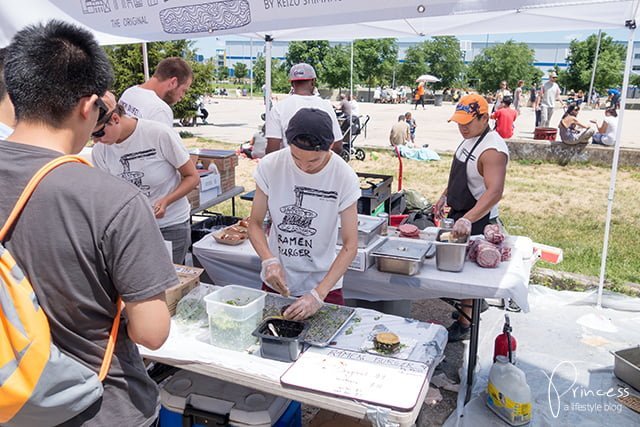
<point>152,100</point>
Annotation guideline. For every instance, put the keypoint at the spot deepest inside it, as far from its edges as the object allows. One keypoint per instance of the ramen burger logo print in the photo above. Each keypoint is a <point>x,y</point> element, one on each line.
<point>298,219</point>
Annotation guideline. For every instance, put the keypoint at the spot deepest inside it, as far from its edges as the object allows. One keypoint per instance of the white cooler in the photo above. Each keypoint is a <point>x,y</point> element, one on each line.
<point>204,398</point>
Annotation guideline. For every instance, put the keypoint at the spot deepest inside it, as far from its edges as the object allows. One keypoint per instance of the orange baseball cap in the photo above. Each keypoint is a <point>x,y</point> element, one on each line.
<point>470,106</point>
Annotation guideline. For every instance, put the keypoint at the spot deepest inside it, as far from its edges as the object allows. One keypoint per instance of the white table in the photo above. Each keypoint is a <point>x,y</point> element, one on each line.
<point>240,265</point>
<point>187,349</point>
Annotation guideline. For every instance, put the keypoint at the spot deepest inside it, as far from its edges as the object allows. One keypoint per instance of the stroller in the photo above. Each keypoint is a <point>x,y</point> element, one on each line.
<point>350,134</point>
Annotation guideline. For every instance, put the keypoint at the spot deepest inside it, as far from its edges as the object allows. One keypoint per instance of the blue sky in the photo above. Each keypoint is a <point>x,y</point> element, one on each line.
<point>207,46</point>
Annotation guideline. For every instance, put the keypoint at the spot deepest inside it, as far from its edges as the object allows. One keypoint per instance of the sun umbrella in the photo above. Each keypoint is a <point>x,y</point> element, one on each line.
<point>427,78</point>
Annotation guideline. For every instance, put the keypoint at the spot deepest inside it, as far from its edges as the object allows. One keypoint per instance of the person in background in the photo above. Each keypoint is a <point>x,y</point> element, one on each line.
<point>476,183</point>
<point>257,145</point>
<point>502,91</point>
<point>579,97</point>
<point>533,94</point>
<point>400,132</point>
<point>549,94</point>
<point>412,126</point>
<point>505,116</point>
<point>150,156</point>
<point>606,134</point>
<point>613,98</point>
<point>152,100</point>
<point>571,131</point>
<point>7,116</point>
<point>303,80</point>
<point>98,241</point>
<point>517,96</point>
<point>306,189</point>
<point>418,96</point>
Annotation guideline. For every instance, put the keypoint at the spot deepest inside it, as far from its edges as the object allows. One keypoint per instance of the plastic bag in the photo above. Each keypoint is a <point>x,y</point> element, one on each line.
<point>416,201</point>
<point>192,309</point>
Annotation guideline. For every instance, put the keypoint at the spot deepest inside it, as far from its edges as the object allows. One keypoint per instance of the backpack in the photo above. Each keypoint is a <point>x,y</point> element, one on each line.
<point>39,385</point>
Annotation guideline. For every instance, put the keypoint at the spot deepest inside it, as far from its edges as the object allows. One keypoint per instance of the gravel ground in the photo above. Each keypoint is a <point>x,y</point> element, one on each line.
<point>434,311</point>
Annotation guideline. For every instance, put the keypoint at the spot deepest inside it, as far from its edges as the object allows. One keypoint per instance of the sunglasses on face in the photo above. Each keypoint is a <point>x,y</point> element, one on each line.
<point>103,110</point>
<point>106,119</point>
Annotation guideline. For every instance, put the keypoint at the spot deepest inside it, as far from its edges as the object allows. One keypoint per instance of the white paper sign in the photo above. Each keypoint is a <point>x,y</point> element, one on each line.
<point>375,379</point>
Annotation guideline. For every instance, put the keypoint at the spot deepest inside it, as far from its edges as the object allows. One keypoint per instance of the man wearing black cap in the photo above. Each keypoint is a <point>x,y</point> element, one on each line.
<point>303,79</point>
<point>307,190</point>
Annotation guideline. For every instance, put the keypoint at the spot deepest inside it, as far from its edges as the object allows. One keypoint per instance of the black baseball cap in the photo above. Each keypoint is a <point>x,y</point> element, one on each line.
<point>310,129</point>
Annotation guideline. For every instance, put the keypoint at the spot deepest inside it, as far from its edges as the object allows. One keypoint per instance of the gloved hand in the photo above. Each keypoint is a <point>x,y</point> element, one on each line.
<point>461,228</point>
<point>305,306</point>
<point>272,274</point>
<point>438,208</point>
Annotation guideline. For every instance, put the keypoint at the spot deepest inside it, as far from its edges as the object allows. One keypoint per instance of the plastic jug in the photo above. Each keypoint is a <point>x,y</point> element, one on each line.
<point>509,395</point>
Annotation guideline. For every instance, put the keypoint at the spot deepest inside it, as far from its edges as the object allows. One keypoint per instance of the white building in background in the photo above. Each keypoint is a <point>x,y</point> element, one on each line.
<point>547,55</point>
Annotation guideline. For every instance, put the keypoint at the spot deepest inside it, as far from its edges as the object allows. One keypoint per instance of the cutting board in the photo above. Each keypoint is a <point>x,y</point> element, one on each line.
<point>365,377</point>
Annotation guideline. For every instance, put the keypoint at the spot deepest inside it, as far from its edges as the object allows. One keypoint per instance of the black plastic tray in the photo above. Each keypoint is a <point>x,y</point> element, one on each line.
<point>322,326</point>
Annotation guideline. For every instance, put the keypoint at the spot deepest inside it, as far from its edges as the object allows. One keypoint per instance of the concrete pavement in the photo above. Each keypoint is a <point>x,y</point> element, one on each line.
<point>234,120</point>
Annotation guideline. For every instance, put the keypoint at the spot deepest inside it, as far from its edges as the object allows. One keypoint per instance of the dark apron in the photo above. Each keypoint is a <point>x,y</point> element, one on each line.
<point>459,198</point>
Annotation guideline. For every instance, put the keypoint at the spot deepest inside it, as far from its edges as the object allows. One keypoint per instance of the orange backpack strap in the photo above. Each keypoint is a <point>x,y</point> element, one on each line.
<point>15,213</point>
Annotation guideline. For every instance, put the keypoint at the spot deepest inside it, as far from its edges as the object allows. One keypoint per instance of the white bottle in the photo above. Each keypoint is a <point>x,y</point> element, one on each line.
<point>509,395</point>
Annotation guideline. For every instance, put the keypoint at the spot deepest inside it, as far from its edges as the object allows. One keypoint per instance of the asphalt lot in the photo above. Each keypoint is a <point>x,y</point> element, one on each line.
<point>234,120</point>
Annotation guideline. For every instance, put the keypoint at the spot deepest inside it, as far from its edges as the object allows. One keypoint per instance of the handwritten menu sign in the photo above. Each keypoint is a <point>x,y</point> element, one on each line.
<point>366,377</point>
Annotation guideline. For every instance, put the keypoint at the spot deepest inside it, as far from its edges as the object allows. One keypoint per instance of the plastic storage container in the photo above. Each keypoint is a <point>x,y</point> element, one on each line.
<point>234,312</point>
<point>198,400</point>
<point>508,394</point>
<point>285,347</point>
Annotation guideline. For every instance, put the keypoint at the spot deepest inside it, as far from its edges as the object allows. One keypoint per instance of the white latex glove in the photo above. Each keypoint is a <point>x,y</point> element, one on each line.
<point>305,306</point>
<point>272,273</point>
<point>438,208</point>
<point>461,228</point>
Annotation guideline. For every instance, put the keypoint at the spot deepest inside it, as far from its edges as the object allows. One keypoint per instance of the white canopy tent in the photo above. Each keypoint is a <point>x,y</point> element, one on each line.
<point>116,21</point>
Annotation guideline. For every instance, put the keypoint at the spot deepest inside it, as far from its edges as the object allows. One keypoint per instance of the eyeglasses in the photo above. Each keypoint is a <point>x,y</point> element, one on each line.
<point>103,109</point>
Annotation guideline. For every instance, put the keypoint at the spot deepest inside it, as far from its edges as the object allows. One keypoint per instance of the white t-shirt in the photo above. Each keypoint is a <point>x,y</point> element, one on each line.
<point>149,159</point>
<point>550,91</point>
<point>5,131</point>
<point>146,104</point>
<point>282,112</point>
<point>609,137</point>
<point>475,181</point>
<point>304,211</point>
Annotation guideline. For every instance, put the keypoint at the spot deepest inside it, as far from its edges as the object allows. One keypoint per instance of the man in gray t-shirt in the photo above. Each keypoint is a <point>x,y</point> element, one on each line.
<point>85,238</point>
<point>550,93</point>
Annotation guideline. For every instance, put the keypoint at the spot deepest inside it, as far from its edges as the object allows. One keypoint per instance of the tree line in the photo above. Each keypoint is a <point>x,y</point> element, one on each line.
<point>376,64</point>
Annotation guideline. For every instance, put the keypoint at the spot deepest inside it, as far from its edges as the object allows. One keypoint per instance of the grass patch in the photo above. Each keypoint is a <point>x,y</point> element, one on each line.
<point>563,206</point>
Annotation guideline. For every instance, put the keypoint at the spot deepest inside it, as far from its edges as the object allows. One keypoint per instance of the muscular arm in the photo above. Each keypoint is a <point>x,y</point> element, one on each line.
<point>148,321</point>
<point>493,168</point>
<point>349,230</point>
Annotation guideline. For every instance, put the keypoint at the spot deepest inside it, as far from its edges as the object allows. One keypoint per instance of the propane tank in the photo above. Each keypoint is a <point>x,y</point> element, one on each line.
<point>505,343</point>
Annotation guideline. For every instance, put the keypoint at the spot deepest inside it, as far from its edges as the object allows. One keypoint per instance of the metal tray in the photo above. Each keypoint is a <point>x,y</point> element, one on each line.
<point>368,228</point>
<point>627,366</point>
<point>322,326</point>
<point>402,256</point>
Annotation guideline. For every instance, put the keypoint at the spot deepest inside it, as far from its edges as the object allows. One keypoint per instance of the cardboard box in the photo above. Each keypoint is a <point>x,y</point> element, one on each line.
<point>193,197</point>
<point>225,162</point>
<point>364,260</point>
<point>189,278</point>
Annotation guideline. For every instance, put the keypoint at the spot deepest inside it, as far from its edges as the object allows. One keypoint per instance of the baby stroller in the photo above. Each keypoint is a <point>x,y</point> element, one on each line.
<point>358,124</point>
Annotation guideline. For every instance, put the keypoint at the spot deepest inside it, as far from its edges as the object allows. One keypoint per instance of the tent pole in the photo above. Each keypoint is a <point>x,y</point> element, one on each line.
<point>267,74</point>
<point>251,65</point>
<point>631,25</point>
<point>145,61</point>
<point>350,94</point>
<point>595,65</point>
